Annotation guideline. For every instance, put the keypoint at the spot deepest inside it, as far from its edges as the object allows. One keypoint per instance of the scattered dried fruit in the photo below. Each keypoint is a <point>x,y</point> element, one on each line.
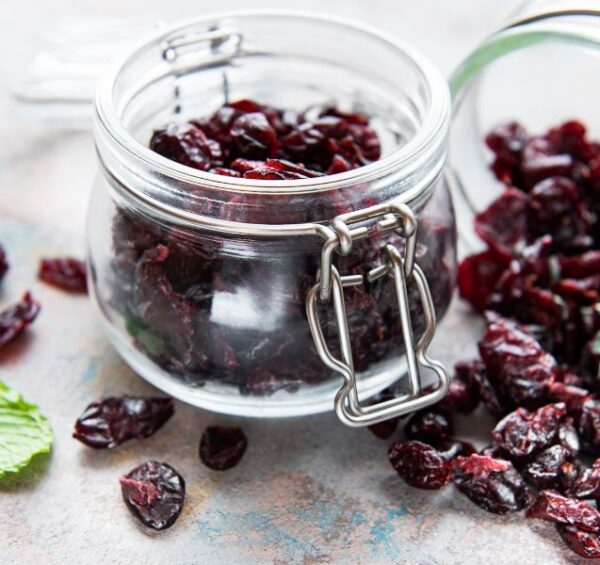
<point>154,493</point>
<point>553,507</point>
<point>493,484</point>
<point>15,319</point>
<point>113,420</point>
<point>419,464</point>
<point>222,448</point>
<point>64,272</point>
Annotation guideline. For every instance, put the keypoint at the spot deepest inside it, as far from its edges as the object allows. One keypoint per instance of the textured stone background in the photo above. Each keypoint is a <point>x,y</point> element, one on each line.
<point>309,490</point>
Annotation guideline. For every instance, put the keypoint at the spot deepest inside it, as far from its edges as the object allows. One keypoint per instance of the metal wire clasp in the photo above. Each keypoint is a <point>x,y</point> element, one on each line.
<point>391,216</point>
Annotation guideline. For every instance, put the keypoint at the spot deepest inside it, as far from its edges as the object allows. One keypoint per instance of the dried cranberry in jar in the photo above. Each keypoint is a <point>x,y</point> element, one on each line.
<point>64,272</point>
<point>113,420</point>
<point>15,319</point>
<point>154,493</point>
<point>493,484</point>
<point>222,448</point>
<point>419,464</point>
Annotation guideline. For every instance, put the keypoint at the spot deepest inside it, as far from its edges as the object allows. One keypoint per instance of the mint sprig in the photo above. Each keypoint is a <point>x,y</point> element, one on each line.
<point>24,431</point>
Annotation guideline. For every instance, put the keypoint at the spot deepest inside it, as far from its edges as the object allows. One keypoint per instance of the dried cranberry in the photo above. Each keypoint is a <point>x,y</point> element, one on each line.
<point>589,423</point>
<point>475,374</point>
<point>187,144</point>
<point>515,361</point>
<point>585,544</point>
<point>253,136</point>
<point>65,272</point>
<point>113,420</point>
<point>493,484</point>
<point>547,468</point>
<point>507,142</point>
<point>502,225</point>
<point>478,275</point>
<point>3,262</point>
<point>428,426</point>
<point>222,448</point>
<point>554,507</point>
<point>15,319</point>
<point>462,397</point>
<point>419,464</point>
<point>522,434</point>
<point>154,493</point>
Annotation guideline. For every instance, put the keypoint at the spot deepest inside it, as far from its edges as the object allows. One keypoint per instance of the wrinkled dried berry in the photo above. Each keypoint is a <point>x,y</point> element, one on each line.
<point>65,272</point>
<point>553,507</point>
<point>419,464</point>
<point>547,469</point>
<point>15,319</point>
<point>427,426</point>
<point>154,493</point>
<point>585,544</point>
<point>523,434</point>
<point>493,484</point>
<point>222,448</point>
<point>451,448</point>
<point>113,420</point>
<point>3,262</point>
<point>589,423</point>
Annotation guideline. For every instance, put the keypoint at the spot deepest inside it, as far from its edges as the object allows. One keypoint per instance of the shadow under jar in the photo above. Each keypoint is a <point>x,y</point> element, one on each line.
<point>203,280</point>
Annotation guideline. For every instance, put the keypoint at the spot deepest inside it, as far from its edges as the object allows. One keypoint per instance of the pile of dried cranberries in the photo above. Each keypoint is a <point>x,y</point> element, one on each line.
<point>538,281</point>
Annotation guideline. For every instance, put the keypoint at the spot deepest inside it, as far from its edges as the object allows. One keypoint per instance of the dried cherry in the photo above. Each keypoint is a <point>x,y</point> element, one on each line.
<point>554,507</point>
<point>154,493</point>
<point>113,420</point>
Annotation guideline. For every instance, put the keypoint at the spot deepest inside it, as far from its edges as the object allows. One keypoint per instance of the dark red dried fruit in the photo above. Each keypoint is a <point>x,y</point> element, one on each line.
<point>428,427</point>
<point>253,137</point>
<point>546,470</point>
<point>15,319</point>
<point>502,225</point>
<point>154,493</point>
<point>478,275</point>
<point>222,448</point>
<point>187,144</point>
<point>64,272</point>
<point>523,434</point>
<point>585,544</point>
<point>451,448</point>
<point>113,420</point>
<point>419,464</point>
<point>3,263</point>
<point>462,397</point>
<point>589,423</point>
<point>493,484</point>
<point>553,507</point>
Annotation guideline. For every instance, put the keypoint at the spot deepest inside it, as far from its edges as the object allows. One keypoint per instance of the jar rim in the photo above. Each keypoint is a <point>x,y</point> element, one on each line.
<point>430,135</point>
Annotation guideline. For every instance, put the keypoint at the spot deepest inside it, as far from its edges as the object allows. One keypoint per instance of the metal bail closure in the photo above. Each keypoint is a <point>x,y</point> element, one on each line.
<point>392,216</point>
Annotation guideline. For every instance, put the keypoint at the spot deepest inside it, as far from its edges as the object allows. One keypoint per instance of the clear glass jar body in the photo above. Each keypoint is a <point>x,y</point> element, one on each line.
<point>540,70</point>
<point>202,280</point>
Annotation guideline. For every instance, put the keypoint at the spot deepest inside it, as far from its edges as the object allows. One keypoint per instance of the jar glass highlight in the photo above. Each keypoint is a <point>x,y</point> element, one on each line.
<point>202,280</point>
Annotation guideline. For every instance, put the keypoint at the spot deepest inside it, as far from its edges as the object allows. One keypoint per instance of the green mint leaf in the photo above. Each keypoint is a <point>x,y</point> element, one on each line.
<point>24,432</point>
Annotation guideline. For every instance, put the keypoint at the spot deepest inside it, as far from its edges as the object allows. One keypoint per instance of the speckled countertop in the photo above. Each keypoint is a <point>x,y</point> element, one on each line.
<point>308,490</point>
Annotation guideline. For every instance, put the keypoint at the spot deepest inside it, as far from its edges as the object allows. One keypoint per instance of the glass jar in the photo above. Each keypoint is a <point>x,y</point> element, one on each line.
<point>539,69</point>
<point>269,298</point>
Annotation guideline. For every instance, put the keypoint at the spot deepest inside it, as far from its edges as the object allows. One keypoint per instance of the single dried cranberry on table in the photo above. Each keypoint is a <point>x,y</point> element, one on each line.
<point>64,272</point>
<point>15,319</point>
<point>3,262</point>
<point>154,493</point>
<point>113,420</point>
<point>419,464</point>
<point>222,448</point>
<point>493,484</point>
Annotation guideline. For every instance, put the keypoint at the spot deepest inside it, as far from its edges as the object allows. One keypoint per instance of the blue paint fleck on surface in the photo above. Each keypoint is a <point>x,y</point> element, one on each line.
<point>382,542</point>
